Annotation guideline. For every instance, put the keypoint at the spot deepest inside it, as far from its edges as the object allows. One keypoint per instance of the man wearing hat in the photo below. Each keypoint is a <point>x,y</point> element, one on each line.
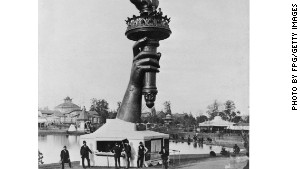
<point>142,150</point>
<point>84,152</point>
<point>117,154</point>
<point>164,156</point>
<point>127,150</point>
<point>65,157</point>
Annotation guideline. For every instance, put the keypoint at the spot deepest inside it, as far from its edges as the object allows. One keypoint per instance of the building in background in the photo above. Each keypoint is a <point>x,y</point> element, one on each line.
<point>67,113</point>
<point>67,106</point>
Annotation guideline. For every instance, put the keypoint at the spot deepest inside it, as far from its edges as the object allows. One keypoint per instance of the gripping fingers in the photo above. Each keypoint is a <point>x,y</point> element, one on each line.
<point>159,56</point>
<point>144,54</point>
<point>138,44</point>
<point>148,61</point>
<point>148,68</point>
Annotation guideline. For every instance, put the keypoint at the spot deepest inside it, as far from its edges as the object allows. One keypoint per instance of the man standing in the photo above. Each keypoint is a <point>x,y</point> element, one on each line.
<point>236,149</point>
<point>65,157</point>
<point>117,154</point>
<point>127,150</point>
<point>141,153</point>
<point>84,152</point>
<point>164,156</point>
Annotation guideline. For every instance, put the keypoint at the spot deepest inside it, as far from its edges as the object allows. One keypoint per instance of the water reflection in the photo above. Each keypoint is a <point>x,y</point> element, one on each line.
<point>73,140</point>
<point>42,138</point>
<point>186,148</point>
<point>51,145</point>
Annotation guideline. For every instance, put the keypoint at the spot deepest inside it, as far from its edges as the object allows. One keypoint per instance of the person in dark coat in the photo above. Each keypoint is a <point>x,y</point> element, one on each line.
<point>117,154</point>
<point>65,157</point>
<point>127,150</point>
<point>141,154</point>
<point>84,152</point>
<point>236,149</point>
<point>164,156</point>
<point>189,139</point>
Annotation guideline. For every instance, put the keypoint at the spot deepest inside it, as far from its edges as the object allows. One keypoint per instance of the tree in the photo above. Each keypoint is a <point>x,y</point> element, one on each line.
<point>101,107</point>
<point>119,105</point>
<point>153,111</point>
<point>201,119</point>
<point>179,120</point>
<point>112,114</point>
<point>40,158</point>
<point>229,111</point>
<point>237,119</point>
<point>152,118</point>
<point>246,119</point>
<point>188,120</point>
<point>192,120</point>
<point>213,110</point>
<point>167,107</point>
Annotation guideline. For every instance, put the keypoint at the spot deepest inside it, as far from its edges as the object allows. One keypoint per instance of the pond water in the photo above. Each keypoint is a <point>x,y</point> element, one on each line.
<point>51,145</point>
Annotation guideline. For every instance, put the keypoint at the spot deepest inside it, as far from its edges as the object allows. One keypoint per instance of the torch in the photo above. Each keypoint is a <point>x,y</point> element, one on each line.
<point>153,25</point>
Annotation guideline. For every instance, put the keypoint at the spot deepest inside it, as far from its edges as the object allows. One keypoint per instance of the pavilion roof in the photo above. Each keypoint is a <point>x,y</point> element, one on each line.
<point>83,115</point>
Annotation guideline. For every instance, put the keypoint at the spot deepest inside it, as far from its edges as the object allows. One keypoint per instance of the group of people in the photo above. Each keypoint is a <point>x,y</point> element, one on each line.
<point>118,151</point>
<point>195,139</point>
<point>236,150</point>
<point>142,150</point>
<point>84,152</point>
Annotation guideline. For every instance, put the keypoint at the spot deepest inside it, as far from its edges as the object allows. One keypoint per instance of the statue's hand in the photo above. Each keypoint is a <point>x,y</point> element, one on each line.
<point>142,62</point>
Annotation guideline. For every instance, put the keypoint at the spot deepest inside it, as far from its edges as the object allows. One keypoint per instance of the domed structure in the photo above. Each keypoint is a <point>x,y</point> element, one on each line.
<point>67,106</point>
<point>168,119</point>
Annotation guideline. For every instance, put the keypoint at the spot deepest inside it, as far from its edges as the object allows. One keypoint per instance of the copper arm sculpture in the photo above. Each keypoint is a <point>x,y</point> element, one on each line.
<point>146,29</point>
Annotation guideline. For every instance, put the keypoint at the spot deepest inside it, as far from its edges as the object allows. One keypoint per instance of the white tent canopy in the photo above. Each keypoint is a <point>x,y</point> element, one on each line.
<point>119,130</point>
<point>217,121</point>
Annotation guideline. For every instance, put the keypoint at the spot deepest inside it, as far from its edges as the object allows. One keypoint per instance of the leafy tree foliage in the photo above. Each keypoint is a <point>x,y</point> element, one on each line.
<point>187,120</point>
<point>152,118</point>
<point>153,111</point>
<point>228,114</point>
<point>112,114</point>
<point>229,111</point>
<point>40,158</point>
<point>213,110</point>
<point>191,120</point>
<point>237,119</point>
<point>178,120</point>
<point>201,119</point>
<point>101,107</point>
<point>167,107</point>
<point>247,119</point>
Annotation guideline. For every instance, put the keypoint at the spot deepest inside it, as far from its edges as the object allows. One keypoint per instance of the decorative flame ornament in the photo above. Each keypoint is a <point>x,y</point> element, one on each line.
<point>145,5</point>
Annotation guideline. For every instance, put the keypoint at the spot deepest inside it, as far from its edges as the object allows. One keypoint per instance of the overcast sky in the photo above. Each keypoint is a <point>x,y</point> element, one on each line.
<point>84,53</point>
